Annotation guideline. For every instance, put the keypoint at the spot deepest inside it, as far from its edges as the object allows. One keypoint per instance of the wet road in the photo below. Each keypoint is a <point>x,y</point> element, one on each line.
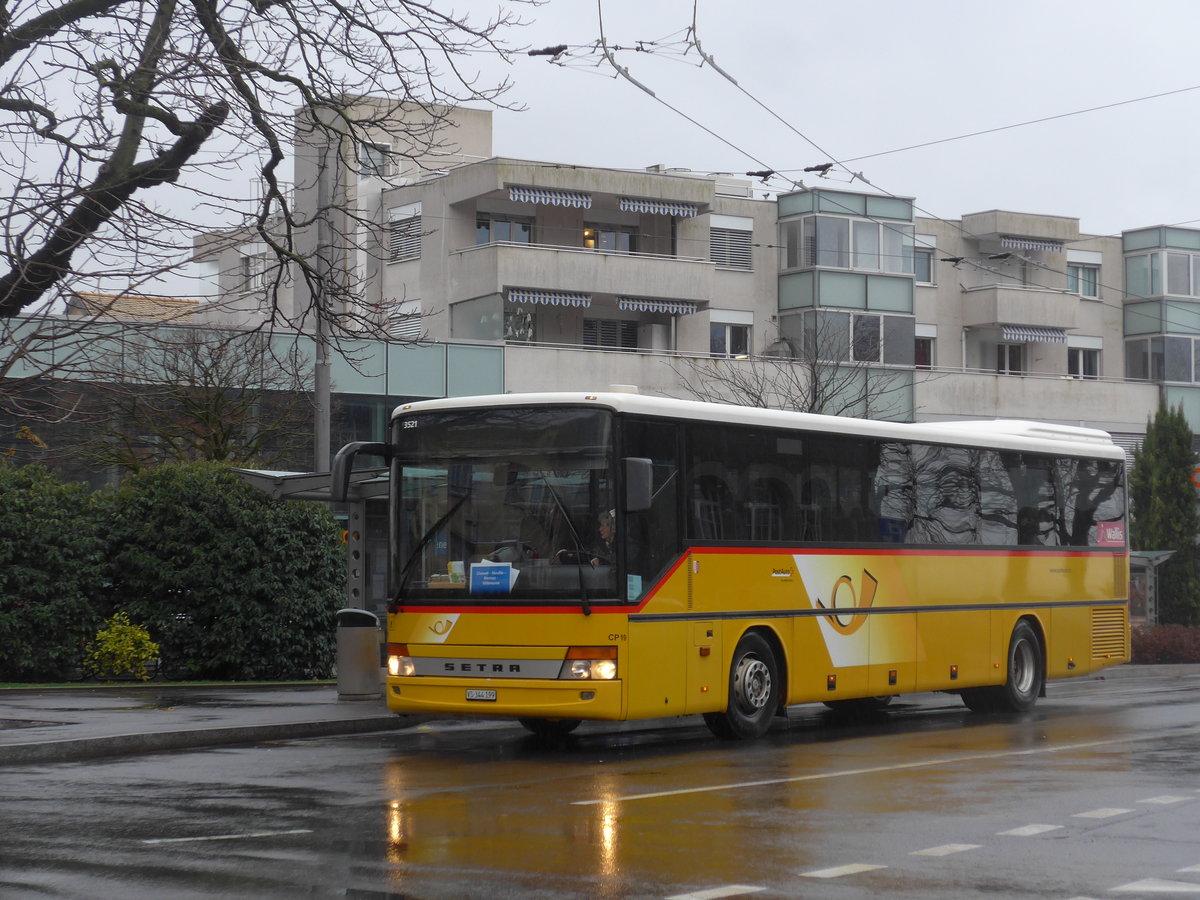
<point>1096,793</point>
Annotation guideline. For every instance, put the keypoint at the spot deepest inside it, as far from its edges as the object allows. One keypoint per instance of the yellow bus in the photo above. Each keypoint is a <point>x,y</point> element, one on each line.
<point>563,557</point>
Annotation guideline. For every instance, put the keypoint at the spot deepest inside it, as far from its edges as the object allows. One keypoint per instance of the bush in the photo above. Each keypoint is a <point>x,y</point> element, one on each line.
<point>1165,644</point>
<point>51,566</point>
<point>120,648</point>
<point>230,583</point>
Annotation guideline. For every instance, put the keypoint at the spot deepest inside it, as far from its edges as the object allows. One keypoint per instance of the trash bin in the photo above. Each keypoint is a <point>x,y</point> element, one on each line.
<point>358,669</point>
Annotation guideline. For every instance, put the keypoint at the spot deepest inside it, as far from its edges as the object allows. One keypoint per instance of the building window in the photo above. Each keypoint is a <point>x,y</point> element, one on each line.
<point>923,265</point>
<point>1083,280</point>
<point>730,249</point>
<point>613,238</point>
<point>1083,363</point>
<point>491,229</point>
<point>520,324</point>
<point>840,243</point>
<point>728,340</point>
<point>923,353</point>
<point>611,334</point>
<point>255,267</point>
<point>865,345</point>
<point>374,160</point>
<point>1010,359</point>
<point>404,238</point>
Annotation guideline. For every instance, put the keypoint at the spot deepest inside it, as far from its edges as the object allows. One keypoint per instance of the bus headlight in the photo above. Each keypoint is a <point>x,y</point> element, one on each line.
<point>589,664</point>
<point>399,663</point>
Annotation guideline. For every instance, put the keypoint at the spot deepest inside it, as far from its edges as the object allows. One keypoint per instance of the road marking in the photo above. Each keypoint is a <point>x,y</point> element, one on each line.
<point>1157,886</point>
<point>839,871</point>
<point>1165,799</point>
<point>1029,830</point>
<point>730,890</point>
<point>876,770</point>
<point>1105,813</point>
<point>946,850</point>
<point>1195,868</point>
<point>227,837</point>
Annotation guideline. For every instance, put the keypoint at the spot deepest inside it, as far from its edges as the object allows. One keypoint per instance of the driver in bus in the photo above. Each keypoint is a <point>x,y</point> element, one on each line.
<point>603,553</point>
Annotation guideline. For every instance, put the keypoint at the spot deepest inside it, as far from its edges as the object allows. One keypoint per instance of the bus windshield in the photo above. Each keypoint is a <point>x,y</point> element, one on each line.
<point>504,505</point>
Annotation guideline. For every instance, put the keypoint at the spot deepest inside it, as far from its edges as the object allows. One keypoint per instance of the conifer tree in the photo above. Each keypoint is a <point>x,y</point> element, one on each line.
<point>1163,500</point>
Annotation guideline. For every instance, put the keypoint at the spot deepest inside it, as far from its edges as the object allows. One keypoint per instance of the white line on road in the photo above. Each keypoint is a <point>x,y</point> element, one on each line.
<point>875,770</point>
<point>227,837</point>
<point>1029,830</point>
<point>839,871</point>
<point>1165,799</point>
<point>946,850</point>
<point>730,890</point>
<point>1157,886</point>
<point>1105,813</point>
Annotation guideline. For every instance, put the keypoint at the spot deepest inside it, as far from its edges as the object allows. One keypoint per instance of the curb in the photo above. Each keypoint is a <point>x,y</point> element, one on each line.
<point>75,749</point>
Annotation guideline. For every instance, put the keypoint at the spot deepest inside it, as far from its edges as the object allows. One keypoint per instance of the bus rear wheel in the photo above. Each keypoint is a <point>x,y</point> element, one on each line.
<point>549,728</point>
<point>1026,672</point>
<point>753,692</point>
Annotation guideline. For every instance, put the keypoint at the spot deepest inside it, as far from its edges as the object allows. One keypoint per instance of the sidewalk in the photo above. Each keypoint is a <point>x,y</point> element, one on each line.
<point>86,721</point>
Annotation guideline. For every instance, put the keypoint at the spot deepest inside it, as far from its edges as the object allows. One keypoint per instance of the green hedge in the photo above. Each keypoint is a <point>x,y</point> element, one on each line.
<point>51,568</point>
<point>231,584</point>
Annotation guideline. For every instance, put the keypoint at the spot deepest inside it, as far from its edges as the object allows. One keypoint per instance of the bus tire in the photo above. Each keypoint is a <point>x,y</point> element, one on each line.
<point>1025,673</point>
<point>549,728</point>
<point>753,691</point>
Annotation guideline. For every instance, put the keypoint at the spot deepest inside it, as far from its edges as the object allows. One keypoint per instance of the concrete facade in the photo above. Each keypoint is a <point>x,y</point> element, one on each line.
<point>588,276</point>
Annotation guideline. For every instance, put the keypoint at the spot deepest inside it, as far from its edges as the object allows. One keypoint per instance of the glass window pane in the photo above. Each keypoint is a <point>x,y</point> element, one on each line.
<point>896,248</point>
<point>833,242</point>
<point>1157,366</point>
<point>483,231</point>
<point>520,232</point>
<point>1179,274</point>
<point>923,260</point>
<point>791,244</point>
<point>899,340</point>
<point>866,245</point>
<point>1136,360</point>
<point>1137,276</point>
<point>866,338</point>
<point>1178,362</point>
<point>739,340</point>
<point>500,230</point>
<point>716,340</point>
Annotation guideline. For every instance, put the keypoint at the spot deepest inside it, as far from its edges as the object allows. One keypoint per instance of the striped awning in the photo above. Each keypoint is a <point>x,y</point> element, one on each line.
<point>643,304</point>
<point>659,207</point>
<point>1030,334</point>
<point>548,298</point>
<point>550,197</point>
<point>1016,243</point>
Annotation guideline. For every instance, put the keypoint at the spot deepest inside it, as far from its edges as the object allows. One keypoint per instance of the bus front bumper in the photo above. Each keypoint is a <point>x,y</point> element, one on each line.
<point>517,698</point>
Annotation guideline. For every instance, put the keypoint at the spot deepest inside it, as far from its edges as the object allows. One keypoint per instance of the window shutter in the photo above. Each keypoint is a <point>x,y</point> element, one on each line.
<point>730,248</point>
<point>404,238</point>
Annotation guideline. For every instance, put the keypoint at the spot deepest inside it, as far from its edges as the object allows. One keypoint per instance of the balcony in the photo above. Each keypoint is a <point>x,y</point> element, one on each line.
<point>490,268</point>
<point>1007,304</point>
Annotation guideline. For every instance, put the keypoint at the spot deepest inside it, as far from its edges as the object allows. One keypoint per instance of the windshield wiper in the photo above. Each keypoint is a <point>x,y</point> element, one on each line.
<point>402,580</point>
<point>580,553</point>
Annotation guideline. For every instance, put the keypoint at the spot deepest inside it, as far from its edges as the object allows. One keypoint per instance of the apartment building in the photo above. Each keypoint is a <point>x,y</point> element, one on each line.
<point>586,276</point>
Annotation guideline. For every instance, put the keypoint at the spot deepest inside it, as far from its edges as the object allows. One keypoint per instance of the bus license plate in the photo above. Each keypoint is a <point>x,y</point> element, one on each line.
<point>473,694</point>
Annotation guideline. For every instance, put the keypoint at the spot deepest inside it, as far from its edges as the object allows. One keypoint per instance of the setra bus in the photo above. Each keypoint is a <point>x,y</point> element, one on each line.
<point>562,557</point>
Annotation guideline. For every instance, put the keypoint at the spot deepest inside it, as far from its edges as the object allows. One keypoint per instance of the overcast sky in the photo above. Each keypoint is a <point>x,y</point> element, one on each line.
<point>862,77</point>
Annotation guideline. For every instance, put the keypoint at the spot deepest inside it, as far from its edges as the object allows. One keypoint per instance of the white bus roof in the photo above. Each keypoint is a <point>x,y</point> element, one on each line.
<point>999,434</point>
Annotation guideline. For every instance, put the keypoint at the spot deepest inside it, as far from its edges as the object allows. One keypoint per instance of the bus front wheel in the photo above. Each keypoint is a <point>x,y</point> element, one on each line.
<point>1026,673</point>
<point>753,692</point>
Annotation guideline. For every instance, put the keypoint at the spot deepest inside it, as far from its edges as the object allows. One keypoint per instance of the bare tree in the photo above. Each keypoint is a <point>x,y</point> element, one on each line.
<point>105,102</point>
<point>821,369</point>
<point>192,394</point>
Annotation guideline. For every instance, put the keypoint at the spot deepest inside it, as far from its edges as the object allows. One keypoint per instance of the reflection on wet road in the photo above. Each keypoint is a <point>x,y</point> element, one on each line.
<point>1095,793</point>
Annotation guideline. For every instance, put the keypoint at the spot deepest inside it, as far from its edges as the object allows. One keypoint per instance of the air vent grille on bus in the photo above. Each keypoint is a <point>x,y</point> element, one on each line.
<point>1109,634</point>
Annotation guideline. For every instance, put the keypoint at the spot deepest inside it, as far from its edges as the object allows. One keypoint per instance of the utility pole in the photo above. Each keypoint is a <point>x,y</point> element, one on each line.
<point>321,381</point>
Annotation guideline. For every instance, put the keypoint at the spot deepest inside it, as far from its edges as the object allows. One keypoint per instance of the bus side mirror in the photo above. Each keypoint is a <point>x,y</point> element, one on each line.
<point>638,474</point>
<point>343,463</point>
